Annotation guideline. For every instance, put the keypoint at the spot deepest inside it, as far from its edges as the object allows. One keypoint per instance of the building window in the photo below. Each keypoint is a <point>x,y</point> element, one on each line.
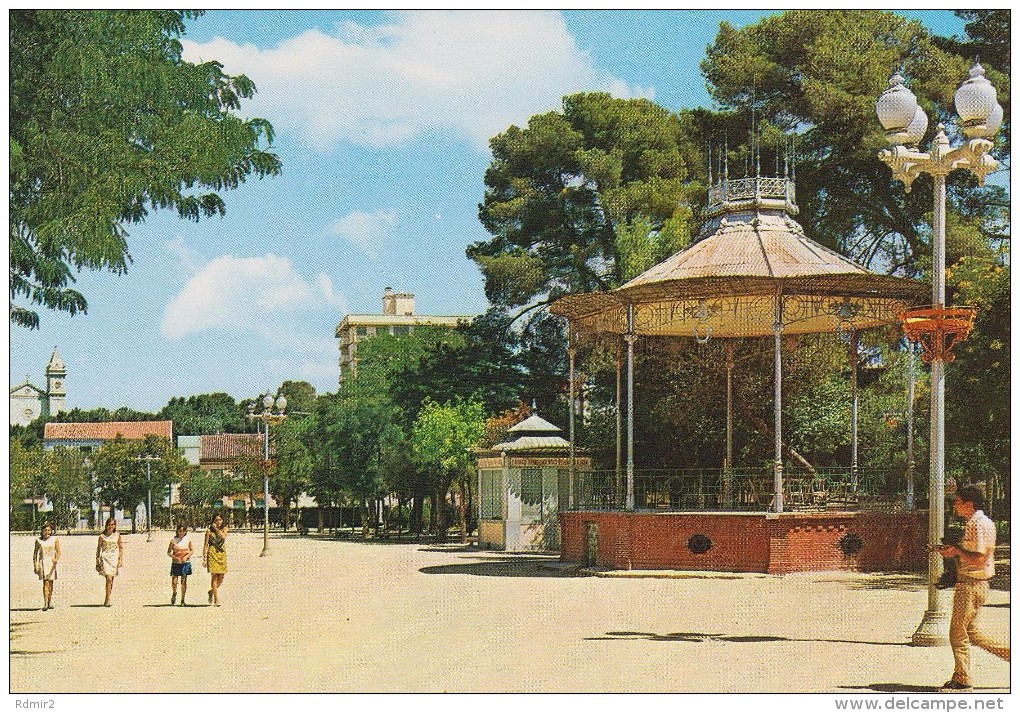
<point>531,493</point>
<point>361,331</point>
<point>400,331</point>
<point>492,494</point>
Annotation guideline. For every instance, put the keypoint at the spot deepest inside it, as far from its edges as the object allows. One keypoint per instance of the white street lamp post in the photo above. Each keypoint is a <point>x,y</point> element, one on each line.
<point>147,459</point>
<point>267,416</point>
<point>905,123</point>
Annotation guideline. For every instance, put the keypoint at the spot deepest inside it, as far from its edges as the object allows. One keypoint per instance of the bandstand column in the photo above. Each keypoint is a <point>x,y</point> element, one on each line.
<point>631,338</point>
<point>619,426</point>
<point>777,466</point>
<point>728,464</point>
<point>852,355</point>
<point>572,354</point>
<point>910,426</point>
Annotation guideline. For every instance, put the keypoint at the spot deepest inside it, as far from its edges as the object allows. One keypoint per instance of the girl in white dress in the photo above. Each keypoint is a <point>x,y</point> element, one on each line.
<point>44,562</point>
<point>109,555</point>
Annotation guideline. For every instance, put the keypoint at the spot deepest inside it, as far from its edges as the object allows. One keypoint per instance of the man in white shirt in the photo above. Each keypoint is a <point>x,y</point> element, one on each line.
<point>976,565</point>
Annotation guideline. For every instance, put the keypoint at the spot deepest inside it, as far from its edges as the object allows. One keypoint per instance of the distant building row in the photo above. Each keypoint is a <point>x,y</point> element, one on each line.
<point>211,452</point>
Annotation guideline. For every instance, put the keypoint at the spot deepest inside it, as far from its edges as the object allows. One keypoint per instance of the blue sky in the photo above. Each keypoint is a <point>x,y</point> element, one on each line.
<point>382,121</point>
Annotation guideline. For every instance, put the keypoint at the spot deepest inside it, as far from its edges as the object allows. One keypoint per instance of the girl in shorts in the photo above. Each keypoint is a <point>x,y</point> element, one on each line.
<point>180,551</point>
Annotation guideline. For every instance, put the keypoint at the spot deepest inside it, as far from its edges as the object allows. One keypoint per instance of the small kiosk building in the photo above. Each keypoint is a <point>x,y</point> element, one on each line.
<point>521,482</point>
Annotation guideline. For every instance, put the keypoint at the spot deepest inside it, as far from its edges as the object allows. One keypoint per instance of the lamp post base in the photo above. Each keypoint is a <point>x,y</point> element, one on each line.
<point>933,630</point>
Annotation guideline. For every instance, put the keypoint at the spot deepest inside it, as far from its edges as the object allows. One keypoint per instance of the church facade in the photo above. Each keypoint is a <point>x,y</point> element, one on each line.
<point>29,402</point>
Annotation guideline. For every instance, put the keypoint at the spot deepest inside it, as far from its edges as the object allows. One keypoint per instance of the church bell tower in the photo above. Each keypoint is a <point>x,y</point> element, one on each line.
<point>56,391</point>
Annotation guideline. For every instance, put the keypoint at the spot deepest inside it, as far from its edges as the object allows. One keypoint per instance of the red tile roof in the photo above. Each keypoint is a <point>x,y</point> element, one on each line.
<point>228,446</point>
<point>130,430</point>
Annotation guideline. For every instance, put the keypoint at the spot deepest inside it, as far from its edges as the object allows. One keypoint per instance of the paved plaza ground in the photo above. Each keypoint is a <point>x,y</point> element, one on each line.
<point>337,616</point>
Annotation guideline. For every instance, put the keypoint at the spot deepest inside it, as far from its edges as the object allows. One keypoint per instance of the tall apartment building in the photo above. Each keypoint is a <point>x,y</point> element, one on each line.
<point>397,318</point>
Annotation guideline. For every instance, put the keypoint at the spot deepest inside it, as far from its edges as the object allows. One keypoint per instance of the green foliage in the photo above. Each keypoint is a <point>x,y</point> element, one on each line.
<point>441,437</point>
<point>820,74</point>
<point>121,475</point>
<point>346,435</point>
<point>66,480</point>
<point>479,361</point>
<point>639,245</point>
<point>978,408</point>
<point>102,415</point>
<point>362,440</point>
<point>442,434</point>
<point>557,190</point>
<point>300,396</point>
<point>29,436</point>
<point>247,475</point>
<point>108,122</point>
<point>204,488</point>
<point>385,358</point>
<point>512,278</point>
<point>205,414</point>
<point>294,462</point>
<point>25,471</point>
<point>819,416</point>
<point>987,37</point>
<point>883,413</point>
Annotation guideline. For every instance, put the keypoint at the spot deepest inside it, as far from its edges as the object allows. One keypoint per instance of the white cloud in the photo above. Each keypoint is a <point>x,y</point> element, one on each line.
<point>334,299</point>
<point>473,73</point>
<point>240,293</point>
<point>191,259</point>
<point>365,230</point>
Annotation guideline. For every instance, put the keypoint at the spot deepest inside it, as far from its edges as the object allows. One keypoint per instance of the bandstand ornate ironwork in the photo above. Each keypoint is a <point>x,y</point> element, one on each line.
<point>752,273</point>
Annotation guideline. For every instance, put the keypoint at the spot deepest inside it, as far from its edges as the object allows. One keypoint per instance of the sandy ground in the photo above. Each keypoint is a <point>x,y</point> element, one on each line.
<point>327,616</point>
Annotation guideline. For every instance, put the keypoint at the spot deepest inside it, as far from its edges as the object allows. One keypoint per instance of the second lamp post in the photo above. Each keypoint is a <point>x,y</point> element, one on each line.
<point>267,416</point>
<point>148,459</point>
<point>938,327</point>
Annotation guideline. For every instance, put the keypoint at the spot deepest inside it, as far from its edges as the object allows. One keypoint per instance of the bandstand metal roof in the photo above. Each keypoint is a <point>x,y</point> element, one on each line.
<point>727,283</point>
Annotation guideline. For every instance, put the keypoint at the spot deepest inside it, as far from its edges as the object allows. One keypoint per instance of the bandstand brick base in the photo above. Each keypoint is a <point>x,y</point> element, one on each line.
<point>747,542</point>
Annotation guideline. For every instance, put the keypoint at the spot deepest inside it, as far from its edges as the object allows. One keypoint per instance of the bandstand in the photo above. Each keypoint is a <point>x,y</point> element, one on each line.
<point>752,274</point>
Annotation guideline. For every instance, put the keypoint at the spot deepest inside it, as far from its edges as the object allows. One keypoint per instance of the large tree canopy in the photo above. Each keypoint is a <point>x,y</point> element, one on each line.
<point>560,193</point>
<point>819,74</point>
<point>108,122</point>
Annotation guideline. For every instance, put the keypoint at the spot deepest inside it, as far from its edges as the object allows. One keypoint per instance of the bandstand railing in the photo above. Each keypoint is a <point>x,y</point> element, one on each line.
<point>742,490</point>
